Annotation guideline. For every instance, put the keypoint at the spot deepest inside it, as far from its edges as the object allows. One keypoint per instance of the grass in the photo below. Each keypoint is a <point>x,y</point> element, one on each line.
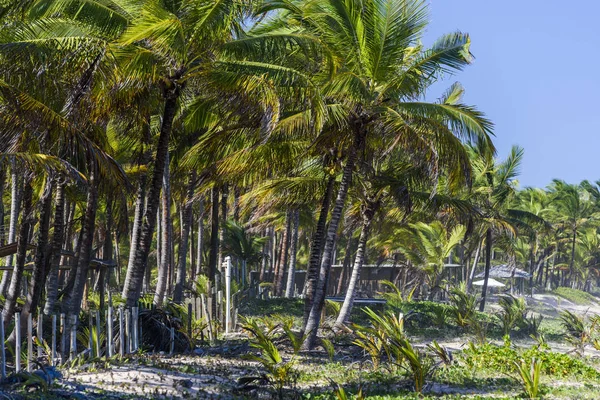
<point>575,296</point>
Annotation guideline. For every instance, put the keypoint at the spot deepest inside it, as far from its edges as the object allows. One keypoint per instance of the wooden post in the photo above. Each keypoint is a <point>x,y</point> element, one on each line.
<point>227,294</point>
<point>63,338</point>
<point>97,333</point>
<point>205,308</point>
<point>40,334</point>
<point>18,342</point>
<point>2,350</point>
<point>53,356</point>
<point>90,336</point>
<point>134,328</point>
<point>109,331</point>
<point>121,333</point>
<point>29,341</point>
<point>172,349</point>
<point>127,331</point>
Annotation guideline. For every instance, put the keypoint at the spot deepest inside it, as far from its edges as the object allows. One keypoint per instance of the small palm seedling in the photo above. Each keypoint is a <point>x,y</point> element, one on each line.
<point>512,314</point>
<point>578,333</point>
<point>420,365</point>
<point>441,352</point>
<point>340,393</point>
<point>530,377</point>
<point>280,372</point>
<point>394,297</point>
<point>462,305</point>
<point>329,348</point>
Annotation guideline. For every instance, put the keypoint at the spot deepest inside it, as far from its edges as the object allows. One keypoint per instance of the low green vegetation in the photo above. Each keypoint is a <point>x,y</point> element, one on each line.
<point>575,295</point>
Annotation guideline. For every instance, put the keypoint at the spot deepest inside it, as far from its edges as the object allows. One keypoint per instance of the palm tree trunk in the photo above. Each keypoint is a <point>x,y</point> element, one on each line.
<point>572,261</point>
<point>314,318</point>
<point>183,245</point>
<point>22,241</point>
<point>137,222</point>
<point>214,236</point>
<point>86,247</point>
<point>55,256</point>
<point>346,265</point>
<point>474,267</point>
<point>316,247</point>
<point>2,184</point>
<point>224,197</point>
<point>12,229</point>
<point>346,309</point>
<point>165,254</point>
<point>266,251</point>
<point>134,278</point>
<point>200,244</point>
<point>488,260</point>
<point>41,253</point>
<point>289,289</point>
<point>284,255</point>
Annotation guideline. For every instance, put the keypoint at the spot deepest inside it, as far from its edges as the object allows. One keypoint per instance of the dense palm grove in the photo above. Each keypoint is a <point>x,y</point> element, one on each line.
<point>144,141</point>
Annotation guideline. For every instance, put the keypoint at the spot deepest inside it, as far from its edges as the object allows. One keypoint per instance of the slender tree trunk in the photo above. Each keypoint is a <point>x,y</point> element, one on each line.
<point>488,260</point>
<point>345,265</point>
<point>316,248</point>
<point>12,229</point>
<point>224,197</point>
<point>214,236</point>
<point>107,252</point>
<point>86,247</point>
<point>289,290</point>
<point>346,309</point>
<point>134,278</point>
<point>165,254</point>
<point>572,261</point>
<point>236,203</point>
<point>22,241</point>
<point>266,251</point>
<point>55,256</point>
<point>314,318</point>
<point>284,255</point>
<point>137,223</point>
<point>41,253</point>
<point>183,245</point>
<point>2,184</point>
<point>200,244</point>
<point>475,262</point>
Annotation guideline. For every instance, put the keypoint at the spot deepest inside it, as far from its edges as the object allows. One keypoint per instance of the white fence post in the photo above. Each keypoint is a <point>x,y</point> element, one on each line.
<point>227,294</point>
<point>18,342</point>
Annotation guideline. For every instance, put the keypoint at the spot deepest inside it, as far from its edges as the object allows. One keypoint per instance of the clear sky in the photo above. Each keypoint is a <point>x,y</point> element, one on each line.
<point>536,75</point>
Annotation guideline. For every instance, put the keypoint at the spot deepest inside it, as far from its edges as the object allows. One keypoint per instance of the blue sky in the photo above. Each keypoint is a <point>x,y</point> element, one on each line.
<point>536,76</point>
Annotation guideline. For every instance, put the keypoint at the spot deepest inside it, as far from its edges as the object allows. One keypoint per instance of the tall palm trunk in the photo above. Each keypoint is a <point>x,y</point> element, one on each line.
<point>316,248</point>
<point>55,256</point>
<point>289,289</point>
<point>283,256</point>
<point>137,222</point>
<point>165,239</point>
<point>314,317</point>
<point>22,241</point>
<point>134,278</point>
<point>183,245</point>
<point>12,229</point>
<point>200,243</point>
<point>86,246</point>
<point>488,260</point>
<point>214,235</point>
<point>224,197</point>
<point>475,262</point>
<point>41,253</point>
<point>346,309</point>
<point>107,252</point>
<point>2,184</point>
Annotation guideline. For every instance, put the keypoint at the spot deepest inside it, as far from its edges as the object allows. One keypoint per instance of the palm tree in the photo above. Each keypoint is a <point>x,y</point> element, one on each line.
<point>378,82</point>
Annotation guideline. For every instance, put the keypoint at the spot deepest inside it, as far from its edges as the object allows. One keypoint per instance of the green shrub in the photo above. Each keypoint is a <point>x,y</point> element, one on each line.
<point>530,374</point>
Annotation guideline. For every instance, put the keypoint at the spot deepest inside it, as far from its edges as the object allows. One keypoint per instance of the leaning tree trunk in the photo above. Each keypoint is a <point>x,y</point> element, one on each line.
<point>314,317</point>
<point>283,256</point>
<point>135,276</point>
<point>214,236</point>
<point>346,309</point>
<point>12,229</point>
<point>55,252</point>
<point>488,260</point>
<point>22,241</point>
<point>86,248</point>
<point>475,262</point>
<point>107,252</point>
<point>183,245</point>
<point>316,248</point>
<point>165,239</point>
<point>289,289</point>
